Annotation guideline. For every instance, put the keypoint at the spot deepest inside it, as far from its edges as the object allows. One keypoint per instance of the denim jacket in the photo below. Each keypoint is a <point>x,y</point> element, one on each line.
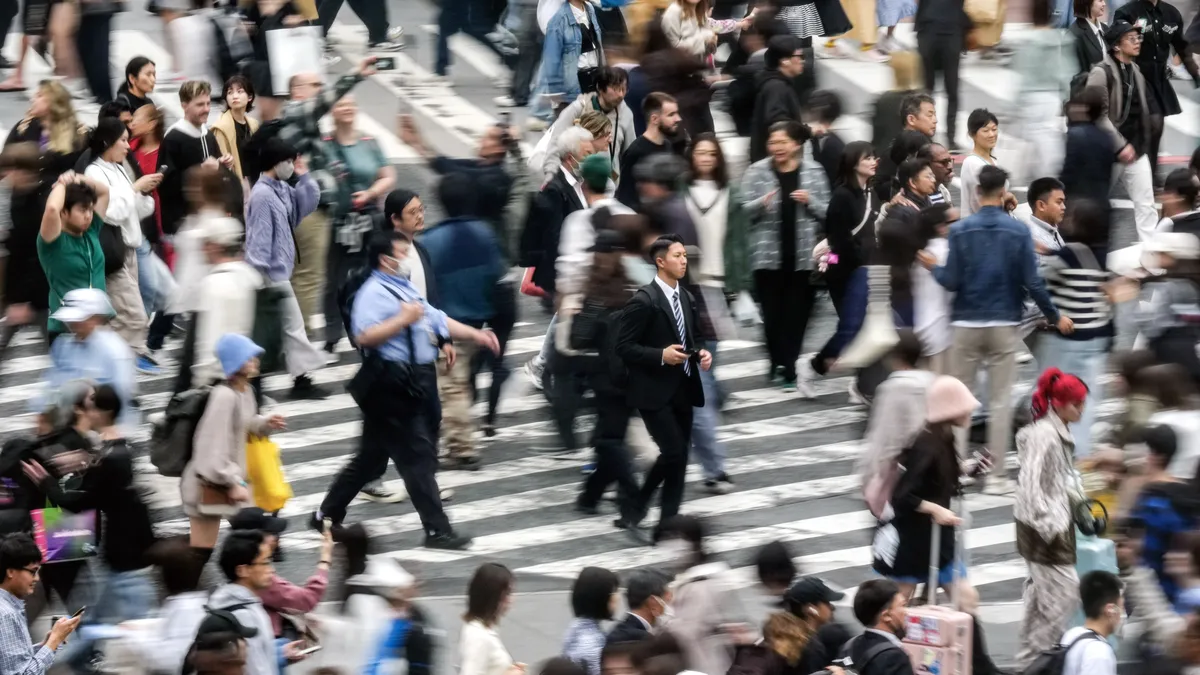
<point>560,52</point>
<point>990,268</point>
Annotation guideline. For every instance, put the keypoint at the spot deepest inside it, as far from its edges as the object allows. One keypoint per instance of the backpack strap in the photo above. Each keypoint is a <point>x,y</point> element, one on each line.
<point>1088,635</point>
<point>1085,256</point>
<point>871,653</point>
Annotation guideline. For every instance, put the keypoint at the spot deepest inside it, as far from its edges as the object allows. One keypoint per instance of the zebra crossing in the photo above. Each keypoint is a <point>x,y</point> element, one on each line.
<point>791,459</point>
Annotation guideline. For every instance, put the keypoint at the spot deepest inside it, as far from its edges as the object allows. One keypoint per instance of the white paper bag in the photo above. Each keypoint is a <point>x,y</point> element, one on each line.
<point>745,311</point>
<point>292,51</point>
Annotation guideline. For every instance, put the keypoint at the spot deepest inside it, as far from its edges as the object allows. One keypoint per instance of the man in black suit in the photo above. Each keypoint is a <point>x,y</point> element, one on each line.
<point>880,607</point>
<point>648,597</point>
<point>657,341</point>
<point>561,196</point>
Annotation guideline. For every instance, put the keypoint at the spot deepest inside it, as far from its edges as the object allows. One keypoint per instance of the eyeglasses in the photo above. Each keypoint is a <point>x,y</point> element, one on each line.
<point>35,571</point>
<point>949,161</point>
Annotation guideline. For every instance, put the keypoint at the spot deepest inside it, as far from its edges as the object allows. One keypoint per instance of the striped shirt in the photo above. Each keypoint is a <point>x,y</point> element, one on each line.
<point>1075,279</point>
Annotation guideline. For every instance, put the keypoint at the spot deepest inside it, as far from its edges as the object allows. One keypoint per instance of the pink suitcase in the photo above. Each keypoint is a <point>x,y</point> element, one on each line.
<point>939,639</point>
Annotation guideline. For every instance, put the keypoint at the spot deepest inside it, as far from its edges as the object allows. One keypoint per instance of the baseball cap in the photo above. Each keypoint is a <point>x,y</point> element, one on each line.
<point>254,518</point>
<point>595,171</point>
<point>809,591</point>
<point>223,621</point>
<point>223,231</point>
<point>1117,31</point>
<point>82,304</point>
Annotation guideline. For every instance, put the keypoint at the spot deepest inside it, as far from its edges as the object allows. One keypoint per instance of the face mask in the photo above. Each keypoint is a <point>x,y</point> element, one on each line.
<point>284,170</point>
<point>403,268</point>
<point>668,613</point>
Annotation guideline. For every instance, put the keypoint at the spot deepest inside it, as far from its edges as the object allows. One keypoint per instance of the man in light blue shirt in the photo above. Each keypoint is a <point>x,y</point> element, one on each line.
<point>92,351</point>
<point>393,324</point>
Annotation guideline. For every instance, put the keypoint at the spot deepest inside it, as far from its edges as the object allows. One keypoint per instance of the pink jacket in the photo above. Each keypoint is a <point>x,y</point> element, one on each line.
<point>284,596</point>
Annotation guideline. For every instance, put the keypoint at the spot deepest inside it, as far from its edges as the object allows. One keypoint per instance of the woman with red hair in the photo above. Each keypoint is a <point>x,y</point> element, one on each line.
<point>1047,490</point>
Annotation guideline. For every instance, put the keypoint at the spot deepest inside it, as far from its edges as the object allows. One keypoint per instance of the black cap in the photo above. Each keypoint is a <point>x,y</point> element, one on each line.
<point>223,621</point>
<point>809,591</point>
<point>1117,31</point>
<point>254,518</point>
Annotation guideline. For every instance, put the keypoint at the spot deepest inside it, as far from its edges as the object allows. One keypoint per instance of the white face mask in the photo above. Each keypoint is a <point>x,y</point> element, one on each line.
<point>403,267</point>
<point>285,169</point>
<point>668,613</point>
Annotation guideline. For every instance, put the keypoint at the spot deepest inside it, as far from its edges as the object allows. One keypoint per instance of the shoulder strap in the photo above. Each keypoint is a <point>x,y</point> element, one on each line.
<point>866,215</point>
<point>1085,256</point>
<point>871,653</point>
<point>1087,635</point>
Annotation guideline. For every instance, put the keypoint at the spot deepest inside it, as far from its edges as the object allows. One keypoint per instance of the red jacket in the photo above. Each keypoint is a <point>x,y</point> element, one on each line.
<point>284,596</point>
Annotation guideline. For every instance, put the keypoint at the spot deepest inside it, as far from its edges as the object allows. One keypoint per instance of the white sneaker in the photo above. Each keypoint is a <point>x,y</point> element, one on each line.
<point>804,378</point>
<point>535,124</point>
<point>505,101</point>
<point>534,372</point>
<point>856,397</point>
<point>1024,356</point>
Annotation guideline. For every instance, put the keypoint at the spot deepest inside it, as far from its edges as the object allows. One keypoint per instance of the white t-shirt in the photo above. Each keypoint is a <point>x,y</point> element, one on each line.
<point>1089,656</point>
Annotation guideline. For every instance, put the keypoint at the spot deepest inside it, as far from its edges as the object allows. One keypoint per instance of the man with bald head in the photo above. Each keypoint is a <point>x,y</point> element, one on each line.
<point>943,170</point>
<point>308,101</point>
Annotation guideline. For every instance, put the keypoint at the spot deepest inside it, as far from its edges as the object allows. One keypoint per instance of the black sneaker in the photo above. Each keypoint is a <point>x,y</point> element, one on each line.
<point>304,388</point>
<point>719,485</point>
<point>447,541</point>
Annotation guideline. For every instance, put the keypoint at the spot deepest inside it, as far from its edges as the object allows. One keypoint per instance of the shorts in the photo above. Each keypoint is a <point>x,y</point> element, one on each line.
<point>35,16</point>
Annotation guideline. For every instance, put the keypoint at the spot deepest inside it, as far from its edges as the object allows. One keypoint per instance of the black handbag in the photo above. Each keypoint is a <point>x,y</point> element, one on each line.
<point>112,245</point>
<point>380,385</point>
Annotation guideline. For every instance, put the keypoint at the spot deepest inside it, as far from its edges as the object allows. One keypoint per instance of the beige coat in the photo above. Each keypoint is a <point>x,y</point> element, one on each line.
<point>219,454</point>
<point>226,132</point>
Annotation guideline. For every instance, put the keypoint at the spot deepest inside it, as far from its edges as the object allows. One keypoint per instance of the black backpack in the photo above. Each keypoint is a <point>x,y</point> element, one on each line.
<point>345,298</point>
<point>1054,660</point>
<point>173,437</point>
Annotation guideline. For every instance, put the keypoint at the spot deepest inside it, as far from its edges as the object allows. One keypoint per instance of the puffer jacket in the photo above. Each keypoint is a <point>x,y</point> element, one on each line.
<point>1049,486</point>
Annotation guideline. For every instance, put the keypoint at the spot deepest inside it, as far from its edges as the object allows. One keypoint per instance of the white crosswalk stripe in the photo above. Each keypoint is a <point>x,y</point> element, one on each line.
<point>792,459</point>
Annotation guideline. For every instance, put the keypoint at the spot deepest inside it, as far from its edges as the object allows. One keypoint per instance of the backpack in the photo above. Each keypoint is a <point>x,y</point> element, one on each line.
<point>232,47</point>
<point>268,328</point>
<point>345,298</point>
<point>752,660</point>
<point>1053,661</point>
<point>1079,81</point>
<point>173,436</point>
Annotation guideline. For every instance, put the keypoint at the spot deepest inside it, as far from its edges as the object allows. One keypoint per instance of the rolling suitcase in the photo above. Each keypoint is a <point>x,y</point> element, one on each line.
<point>939,639</point>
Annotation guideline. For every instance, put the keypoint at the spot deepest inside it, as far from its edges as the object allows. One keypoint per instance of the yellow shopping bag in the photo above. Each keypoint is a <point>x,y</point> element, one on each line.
<point>271,489</point>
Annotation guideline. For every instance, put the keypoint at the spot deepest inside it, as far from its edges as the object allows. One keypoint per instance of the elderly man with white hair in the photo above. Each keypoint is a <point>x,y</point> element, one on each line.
<point>561,195</point>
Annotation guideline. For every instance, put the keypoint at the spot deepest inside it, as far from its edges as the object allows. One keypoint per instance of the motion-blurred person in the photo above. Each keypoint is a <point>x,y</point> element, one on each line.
<point>93,46</point>
<point>374,16</point>
<point>1128,119</point>
<point>245,561</point>
<point>1043,63</point>
<point>489,597</point>
<point>572,55</point>
<point>274,212</point>
<point>1181,203</point>
<point>648,597</point>
<point>220,645</point>
<point>26,294</point>
<point>393,324</point>
<point>941,38</point>
<point>593,600</point>
<point>141,75</point>
<point>889,117</point>
<point>1090,154</point>
<point>21,560</point>
<point>406,635</point>
<point>164,648</point>
<point>931,306</point>
<point>51,123</point>
<point>609,98</point>
<point>282,596</point>
<point>791,636</point>
<point>365,177</point>
<point>1170,300</point>
<point>129,202</point>
<point>1045,529</point>
<point>785,197</point>
<point>214,481</point>
<point>776,100</point>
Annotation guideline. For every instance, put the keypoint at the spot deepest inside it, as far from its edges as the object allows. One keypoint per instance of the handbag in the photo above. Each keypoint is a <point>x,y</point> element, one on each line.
<point>215,500</point>
<point>62,536</point>
<point>291,51</point>
<point>265,470</point>
<point>112,245</point>
<point>878,333</point>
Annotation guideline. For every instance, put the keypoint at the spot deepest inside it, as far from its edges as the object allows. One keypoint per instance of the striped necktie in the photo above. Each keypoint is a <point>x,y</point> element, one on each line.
<point>682,329</point>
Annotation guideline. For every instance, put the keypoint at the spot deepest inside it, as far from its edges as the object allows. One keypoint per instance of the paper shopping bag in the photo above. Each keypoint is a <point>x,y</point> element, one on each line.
<point>291,51</point>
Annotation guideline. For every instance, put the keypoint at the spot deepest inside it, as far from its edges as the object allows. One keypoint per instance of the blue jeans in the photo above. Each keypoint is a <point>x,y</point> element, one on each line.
<point>705,445</point>
<point>1085,360</point>
<point>154,280</point>
<point>123,596</point>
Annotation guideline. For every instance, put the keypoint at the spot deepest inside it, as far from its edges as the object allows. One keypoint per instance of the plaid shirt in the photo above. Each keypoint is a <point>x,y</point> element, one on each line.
<point>301,129</point>
<point>17,653</point>
<point>765,220</point>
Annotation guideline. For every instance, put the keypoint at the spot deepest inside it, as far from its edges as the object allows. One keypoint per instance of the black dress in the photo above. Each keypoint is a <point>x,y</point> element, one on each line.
<point>929,473</point>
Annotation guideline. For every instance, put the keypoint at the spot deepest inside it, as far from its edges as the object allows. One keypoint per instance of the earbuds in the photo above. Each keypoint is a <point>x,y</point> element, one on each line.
<point>812,610</point>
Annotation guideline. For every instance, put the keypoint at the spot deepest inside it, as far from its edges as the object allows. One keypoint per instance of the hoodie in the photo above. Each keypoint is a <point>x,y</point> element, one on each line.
<point>1168,509</point>
<point>776,102</point>
<point>261,655</point>
<point>185,145</point>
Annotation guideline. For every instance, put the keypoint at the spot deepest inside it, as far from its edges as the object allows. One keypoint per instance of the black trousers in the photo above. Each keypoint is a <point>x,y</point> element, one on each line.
<point>187,357</point>
<point>942,53</point>
<point>836,283</point>
<point>409,438</point>
<point>504,302</point>
<point>160,328</point>
<point>339,263</point>
<point>92,43</point>
<point>8,11</point>
<point>372,13</point>
<point>671,429</point>
<point>613,463</point>
<point>529,55</point>
<point>787,301</point>
<point>565,385</point>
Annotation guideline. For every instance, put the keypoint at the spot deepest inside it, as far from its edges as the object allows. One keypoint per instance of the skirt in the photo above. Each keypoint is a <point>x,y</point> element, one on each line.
<point>890,12</point>
<point>803,21</point>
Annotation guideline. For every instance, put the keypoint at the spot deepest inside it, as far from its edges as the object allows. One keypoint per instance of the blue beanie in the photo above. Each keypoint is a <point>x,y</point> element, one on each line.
<point>233,351</point>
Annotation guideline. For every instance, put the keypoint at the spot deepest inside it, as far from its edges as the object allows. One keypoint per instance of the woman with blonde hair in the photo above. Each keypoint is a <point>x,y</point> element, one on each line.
<point>51,123</point>
<point>689,26</point>
<point>593,121</point>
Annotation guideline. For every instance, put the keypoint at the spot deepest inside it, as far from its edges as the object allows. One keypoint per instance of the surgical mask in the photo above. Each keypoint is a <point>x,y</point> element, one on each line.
<point>403,267</point>
<point>668,613</point>
<point>285,169</point>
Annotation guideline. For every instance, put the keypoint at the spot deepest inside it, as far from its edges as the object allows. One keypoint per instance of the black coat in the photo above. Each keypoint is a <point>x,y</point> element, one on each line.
<point>1089,48</point>
<point>930,475</point>
<point>776,102</point>
<point>893,661</point>
<point>631,629</point>
<point>1087,167</point>
<point>648,327</point>
<point>543,225</point>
